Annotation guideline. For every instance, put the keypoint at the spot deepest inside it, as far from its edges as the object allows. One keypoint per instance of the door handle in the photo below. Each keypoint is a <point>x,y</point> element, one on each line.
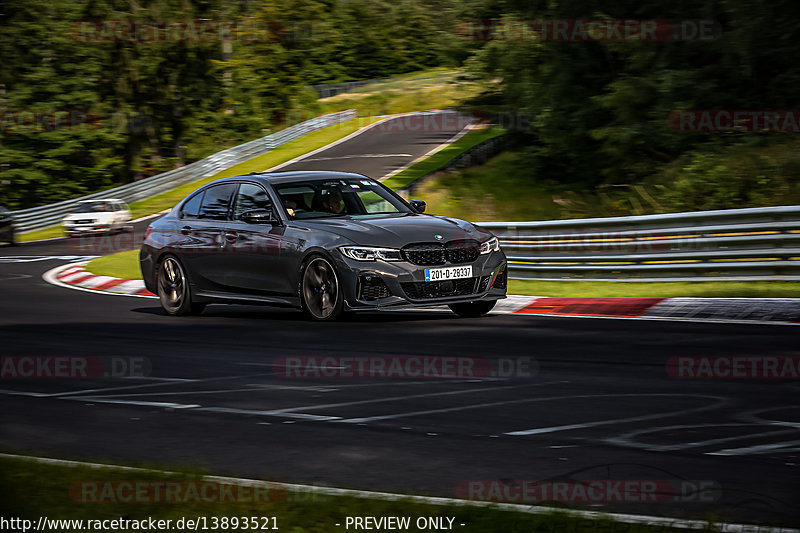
<point>231,236</point>
<point>186,229</point>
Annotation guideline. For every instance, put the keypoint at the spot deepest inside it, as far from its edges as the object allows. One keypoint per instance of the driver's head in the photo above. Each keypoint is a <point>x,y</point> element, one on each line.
<point>332,202</point>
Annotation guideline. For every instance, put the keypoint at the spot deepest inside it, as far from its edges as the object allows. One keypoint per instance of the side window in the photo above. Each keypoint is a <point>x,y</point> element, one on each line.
<point>216,202</point>
<point>191,209</point>
<point>250,197</point>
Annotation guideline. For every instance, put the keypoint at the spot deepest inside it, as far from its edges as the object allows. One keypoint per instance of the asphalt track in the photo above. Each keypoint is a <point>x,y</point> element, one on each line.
<point>597,404</point>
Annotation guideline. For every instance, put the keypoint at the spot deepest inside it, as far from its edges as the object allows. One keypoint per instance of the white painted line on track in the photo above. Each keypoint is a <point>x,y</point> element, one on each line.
<point>756,450</point>
<point>408,396</point>
<point>166,405</point>
<point>331,145</point>
<point>364,420</point>
<point>721,402</point>
<point>436,149</point>
<point>628,439</point>
<point>650,520</point>
<point>356,156</point>
<point>277,413</point>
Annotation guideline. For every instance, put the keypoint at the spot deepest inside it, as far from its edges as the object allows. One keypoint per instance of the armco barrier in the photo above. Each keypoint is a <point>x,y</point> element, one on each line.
<point>747,244</point>
<point>49,215</point>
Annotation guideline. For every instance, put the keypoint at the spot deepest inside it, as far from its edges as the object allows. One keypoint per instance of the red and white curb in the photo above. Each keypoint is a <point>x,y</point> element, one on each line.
<point>75,276</point>
<point>781,311</point>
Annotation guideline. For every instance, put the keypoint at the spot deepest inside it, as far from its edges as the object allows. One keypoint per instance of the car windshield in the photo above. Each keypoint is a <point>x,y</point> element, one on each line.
<point>93,207</point>
<point>352,197</point>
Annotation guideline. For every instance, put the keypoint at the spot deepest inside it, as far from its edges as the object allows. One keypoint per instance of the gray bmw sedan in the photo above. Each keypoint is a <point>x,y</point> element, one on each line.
<point>324,242</point>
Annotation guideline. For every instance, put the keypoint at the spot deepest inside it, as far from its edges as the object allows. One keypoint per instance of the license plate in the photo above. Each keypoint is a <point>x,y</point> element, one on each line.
<point>445,274</point>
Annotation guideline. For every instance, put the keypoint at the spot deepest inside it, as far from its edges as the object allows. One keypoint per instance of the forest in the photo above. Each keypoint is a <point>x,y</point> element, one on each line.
<point>102,92</point>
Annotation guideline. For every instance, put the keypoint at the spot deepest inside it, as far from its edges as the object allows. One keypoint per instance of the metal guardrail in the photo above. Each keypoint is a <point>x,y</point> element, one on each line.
<point>49,215</point>
<point>735,244</point>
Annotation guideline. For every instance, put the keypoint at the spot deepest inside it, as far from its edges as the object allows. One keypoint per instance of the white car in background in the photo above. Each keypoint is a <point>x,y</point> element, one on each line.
<point>98,216</point>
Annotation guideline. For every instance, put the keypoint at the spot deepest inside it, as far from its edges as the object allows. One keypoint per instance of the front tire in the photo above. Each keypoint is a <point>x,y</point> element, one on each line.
<point>173,289</point>
<point>320,291</point>
<point>472,309</point>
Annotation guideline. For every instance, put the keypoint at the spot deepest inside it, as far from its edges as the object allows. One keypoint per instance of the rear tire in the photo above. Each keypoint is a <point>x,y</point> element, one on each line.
<point>320,291</point>
<point>172,286</point>
<point>472,309</point>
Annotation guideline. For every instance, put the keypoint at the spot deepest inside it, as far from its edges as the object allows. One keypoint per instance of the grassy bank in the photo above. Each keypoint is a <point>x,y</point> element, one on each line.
<point>33,490</point>
<point>508,187</point>
<point>417,91</point>
<point>123,265</point>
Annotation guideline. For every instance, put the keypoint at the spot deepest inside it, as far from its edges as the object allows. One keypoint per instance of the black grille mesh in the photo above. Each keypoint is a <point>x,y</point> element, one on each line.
<point>430,254</point>
<point>462,251</point>
<point>426,254</point>
<point>372,288</point>
<point>421,290</point>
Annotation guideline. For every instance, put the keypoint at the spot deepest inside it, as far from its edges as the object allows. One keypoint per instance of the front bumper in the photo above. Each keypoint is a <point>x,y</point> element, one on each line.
<point>393,284</point>
<point>86,229</point>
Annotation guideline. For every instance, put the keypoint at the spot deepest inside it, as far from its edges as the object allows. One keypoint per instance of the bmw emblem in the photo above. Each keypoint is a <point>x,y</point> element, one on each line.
<point>438,237</point>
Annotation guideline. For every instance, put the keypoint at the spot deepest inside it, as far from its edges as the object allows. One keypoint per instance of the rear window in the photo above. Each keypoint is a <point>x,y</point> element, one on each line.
<point>191,209</point>
<point>216,201</point>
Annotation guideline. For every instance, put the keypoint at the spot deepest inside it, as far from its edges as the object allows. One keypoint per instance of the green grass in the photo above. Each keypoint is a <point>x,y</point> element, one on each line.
<point>32,490</point>
<point>438,160</point>
<point>494,191</point>
<point>123,265</point>
<point>126,265</point>
<point>39,234</point>
<point>419,91</point>
<point>697,289</point>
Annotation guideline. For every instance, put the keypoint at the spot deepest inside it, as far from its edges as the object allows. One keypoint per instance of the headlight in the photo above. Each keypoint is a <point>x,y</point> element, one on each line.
<point>368,253</point>
<point>492,245</point>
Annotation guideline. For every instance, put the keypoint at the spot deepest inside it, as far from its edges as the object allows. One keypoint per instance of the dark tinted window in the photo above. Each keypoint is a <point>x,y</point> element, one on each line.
<point>216,202</point>
<point>191,209</point>
<point>354,197</point>
<point>250,197</point>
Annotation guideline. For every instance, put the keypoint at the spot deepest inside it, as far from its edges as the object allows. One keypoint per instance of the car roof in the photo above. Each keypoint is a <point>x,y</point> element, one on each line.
<point>295,175</point>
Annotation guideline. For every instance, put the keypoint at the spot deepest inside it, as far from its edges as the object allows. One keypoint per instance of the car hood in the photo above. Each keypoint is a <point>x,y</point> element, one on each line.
<point>398,231</point>
<point>99,216</point>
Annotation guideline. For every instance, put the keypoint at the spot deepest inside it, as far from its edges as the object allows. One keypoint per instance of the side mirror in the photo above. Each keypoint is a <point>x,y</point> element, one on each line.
<point>419,205</point>
<point>259,216</point>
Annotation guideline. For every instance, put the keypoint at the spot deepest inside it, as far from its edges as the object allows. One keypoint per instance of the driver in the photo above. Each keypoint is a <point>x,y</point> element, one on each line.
<point>332,202</point>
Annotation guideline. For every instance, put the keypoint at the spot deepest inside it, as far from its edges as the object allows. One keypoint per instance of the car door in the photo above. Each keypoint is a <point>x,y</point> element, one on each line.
<point>255,263</point>
<point>201,242</point>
